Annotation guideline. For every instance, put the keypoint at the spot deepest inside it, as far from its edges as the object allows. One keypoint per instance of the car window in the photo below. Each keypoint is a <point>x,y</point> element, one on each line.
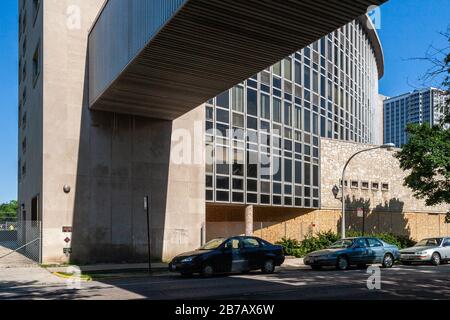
<point>342,244</point>
<point>250,243</point>
<point>213,244</point>
<point>361,243</point>
<point>232,244</point>
<point>432,242</point>
<point>446,243</point>
<point>374,243</point>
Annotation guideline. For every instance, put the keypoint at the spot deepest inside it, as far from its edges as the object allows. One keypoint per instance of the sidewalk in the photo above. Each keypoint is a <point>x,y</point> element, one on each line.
<point>156,266</point>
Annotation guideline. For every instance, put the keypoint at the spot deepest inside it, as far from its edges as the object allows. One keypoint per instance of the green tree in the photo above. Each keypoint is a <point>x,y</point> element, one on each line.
<point>427,154</point>
<point>9,209</point>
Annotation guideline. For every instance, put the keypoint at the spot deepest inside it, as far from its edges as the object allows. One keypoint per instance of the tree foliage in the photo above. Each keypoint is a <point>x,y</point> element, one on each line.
<point>9,210</point>
<point>427,154</point>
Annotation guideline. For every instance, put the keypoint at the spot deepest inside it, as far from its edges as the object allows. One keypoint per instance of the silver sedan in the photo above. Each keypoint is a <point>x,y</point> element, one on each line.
<point>432,250</point>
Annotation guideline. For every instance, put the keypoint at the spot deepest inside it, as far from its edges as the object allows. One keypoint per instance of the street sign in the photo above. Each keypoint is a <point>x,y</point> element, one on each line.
<point>67,240</point>
<point>360,212</point>
<point>67,229</point>
<point>67,250</point>
<point>145,203</point>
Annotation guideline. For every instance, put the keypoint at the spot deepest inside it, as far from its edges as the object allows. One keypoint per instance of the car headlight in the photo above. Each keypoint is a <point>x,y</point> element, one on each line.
<point>187,260</point>
<point>421,253</point>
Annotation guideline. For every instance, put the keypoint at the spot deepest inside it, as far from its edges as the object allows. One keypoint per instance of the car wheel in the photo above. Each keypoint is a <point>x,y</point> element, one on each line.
<point>316,268</point>
<point>207,270</point>
<point>268,267</point>
<point>342,263</point>
<point>388,261</point>
<point>436,259</point>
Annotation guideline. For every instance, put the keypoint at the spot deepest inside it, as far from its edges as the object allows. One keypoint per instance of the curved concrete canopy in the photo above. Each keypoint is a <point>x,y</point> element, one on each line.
<point>197,49</point>
<point>375,42</point>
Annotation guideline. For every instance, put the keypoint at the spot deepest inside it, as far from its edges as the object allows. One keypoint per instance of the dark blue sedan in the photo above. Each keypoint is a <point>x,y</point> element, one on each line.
<point>232,255</point>
<point>360,252</point>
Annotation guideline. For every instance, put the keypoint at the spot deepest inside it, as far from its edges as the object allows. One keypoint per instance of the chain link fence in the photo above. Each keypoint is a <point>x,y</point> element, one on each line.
<point>20,241</point>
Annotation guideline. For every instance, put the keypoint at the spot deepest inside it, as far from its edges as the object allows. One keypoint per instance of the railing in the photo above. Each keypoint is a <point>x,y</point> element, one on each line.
<point>20,241</point>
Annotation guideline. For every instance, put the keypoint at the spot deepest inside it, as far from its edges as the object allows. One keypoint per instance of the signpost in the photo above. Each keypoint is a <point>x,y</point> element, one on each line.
<point>361,212</point>
<point>147,210</point>
<point>67,233</point>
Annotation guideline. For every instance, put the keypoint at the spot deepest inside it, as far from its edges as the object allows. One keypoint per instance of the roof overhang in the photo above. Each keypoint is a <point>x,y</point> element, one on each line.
<point>163,58</point>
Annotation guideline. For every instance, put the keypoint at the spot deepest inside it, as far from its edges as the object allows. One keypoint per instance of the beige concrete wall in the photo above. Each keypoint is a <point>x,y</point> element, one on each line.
<point>110,161</point>
<point>30,185</point>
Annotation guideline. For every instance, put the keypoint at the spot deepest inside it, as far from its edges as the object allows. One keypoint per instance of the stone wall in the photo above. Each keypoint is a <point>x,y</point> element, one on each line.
<point>273,224</point>
<point>378,166</point>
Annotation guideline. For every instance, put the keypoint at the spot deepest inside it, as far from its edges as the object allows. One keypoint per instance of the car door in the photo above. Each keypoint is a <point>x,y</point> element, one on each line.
<point>232,258</point>
<point>252,253</point>
<point>446,248</point>
<point>376,250</point>
<point>360,252</point>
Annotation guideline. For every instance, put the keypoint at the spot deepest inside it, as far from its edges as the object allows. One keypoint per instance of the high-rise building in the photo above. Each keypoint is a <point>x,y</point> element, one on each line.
<point>417,107</point>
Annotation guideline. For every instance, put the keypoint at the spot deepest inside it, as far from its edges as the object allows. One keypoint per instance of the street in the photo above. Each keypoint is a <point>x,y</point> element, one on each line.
<point>296,283</point>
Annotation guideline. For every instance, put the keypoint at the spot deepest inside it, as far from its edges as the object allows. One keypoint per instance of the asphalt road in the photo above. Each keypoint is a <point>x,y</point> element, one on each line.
<point>400,282</point>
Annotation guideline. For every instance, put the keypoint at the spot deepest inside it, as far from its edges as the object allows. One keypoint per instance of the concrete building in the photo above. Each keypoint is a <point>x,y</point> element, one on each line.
<point>418,107</point>
<point>112,108</point>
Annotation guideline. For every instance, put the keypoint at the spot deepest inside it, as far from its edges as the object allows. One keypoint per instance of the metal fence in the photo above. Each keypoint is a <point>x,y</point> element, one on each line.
<point>20,241</point>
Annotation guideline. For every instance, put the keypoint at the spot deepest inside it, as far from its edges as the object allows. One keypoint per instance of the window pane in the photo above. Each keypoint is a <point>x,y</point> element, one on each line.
<point>277,69</point>
<point>288,114</point>
<point>288,68</point>
<point>276,110</point>
<point>252,102</point>
<point>298,72</point>
<point>222,196</point>
<point>238,99</point>
<point>288,170</point>
<point>238,120</point>
<point>298,172</point>
<point>307,174</point>
<point>307,121</point>
<point>265,106</point>
<point>223,183</point>
<point>223,100</point>
<point>223,116</point>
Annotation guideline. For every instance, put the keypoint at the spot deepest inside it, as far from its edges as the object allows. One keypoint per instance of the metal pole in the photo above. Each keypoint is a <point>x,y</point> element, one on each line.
<point>343,185</point>
<point>343,203</point>
<point>147,208</point>
<point>364,222</point>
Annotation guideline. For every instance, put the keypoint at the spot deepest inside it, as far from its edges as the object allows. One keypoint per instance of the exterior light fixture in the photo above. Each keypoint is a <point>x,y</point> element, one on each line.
<point>66,189</point>
<point>335,191</point>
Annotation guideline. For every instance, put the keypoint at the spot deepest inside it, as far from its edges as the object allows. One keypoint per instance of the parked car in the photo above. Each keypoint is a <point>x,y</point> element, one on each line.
<point>232,255</point>
<point>431,250</point>
<point>360,251</point>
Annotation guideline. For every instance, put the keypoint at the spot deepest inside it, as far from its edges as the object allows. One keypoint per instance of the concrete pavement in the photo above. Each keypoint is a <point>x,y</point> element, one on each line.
<point>292,281</point>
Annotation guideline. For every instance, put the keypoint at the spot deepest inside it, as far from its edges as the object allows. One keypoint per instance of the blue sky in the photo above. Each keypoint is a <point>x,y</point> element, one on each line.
<point>408,28</point>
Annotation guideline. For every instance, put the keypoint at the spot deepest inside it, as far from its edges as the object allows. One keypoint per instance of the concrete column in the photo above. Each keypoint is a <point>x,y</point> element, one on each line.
<point>249,221</point>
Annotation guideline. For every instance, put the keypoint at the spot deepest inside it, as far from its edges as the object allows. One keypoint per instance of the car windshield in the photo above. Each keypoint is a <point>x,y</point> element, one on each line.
<point>433,242</point>
<point>342,244</point>
<point>213,244</point>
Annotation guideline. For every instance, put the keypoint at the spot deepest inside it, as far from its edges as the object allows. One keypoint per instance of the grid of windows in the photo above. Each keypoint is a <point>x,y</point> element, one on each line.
<point>263,135</point>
